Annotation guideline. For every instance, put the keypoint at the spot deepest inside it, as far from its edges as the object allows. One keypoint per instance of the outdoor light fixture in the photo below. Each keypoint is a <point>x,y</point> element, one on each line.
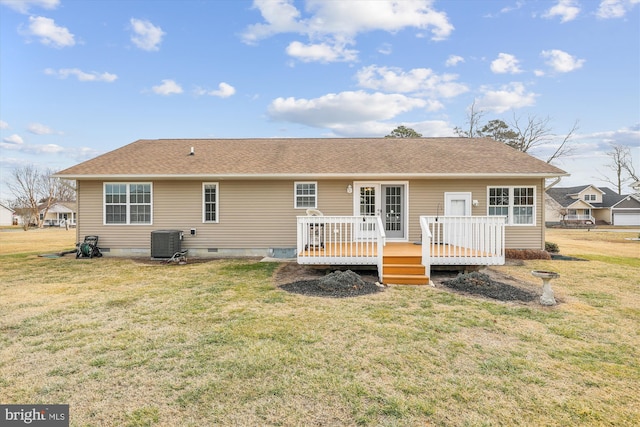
<point>349,189</point>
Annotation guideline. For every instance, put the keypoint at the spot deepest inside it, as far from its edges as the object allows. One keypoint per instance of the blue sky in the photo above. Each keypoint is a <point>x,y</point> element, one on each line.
<point>79,78</point>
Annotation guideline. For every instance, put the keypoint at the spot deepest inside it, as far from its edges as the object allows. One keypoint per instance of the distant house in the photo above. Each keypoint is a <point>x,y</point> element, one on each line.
<point>448,201</point>
<point>6,215</point>
<point>588,204</point>
<point>59,214</point>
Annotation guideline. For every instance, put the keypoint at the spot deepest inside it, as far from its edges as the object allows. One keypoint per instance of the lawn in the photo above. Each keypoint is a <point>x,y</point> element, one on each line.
<point>129,343</point>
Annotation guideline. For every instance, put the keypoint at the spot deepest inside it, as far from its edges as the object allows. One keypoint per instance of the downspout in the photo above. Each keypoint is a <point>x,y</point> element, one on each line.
<point>556,181</point>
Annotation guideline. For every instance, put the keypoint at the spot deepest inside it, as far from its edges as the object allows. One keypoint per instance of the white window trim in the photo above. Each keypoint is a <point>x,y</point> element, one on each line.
<point>127,203</point>
<point>511,205</point>
<point>295,195</point>
<point>204,213</point>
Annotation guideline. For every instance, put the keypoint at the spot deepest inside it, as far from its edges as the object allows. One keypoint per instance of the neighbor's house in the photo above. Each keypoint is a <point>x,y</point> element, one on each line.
<point>384,202</point>
<point>590,205</point>
<point>59,214</point>
<point>6,215</point>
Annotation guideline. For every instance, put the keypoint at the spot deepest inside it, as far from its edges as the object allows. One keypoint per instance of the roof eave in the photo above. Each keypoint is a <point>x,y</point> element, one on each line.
<point>356,176</point>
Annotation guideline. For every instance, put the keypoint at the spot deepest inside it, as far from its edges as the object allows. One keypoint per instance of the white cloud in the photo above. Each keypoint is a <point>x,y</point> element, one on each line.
<point>345,108</point>
<point>421,81</point>
<point>567,10</point>
<point>615,8</point>
<point>40,129</point>
<point>13,139</point>
<point>505,63</point>
<point>321,52</point>
<point>168,87</point>
<point>82,76</point>
<point>511,96</point>
<point>454,60</point>
<point>49,33</point>
<point>225,90</point>
<point>332,25</point>
<point>561,61</point>
<point>385,49</point>
<point>4,125</point>
<point>23,6</point>
<point>146,36</point>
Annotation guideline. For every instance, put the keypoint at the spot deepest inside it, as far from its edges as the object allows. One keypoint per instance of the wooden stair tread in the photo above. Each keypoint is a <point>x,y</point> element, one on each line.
<point>406,279</point>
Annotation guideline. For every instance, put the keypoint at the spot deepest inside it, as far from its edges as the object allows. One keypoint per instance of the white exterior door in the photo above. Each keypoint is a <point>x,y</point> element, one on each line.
<point>386,200</point>
<point>456,204</point>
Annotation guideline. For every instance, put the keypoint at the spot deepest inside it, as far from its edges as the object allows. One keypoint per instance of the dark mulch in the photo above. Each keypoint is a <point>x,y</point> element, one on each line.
<point>481,284</point>
<point>339,284</point>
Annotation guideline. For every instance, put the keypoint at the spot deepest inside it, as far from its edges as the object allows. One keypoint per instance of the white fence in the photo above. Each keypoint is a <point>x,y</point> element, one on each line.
<point>579,218</point>
<point>462,240</point>
<point>348,240</point>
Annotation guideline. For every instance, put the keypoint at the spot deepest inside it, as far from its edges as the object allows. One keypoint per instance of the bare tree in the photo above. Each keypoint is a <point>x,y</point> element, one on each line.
<point>564,149</point>
<point>531,134</point>
<point>35,191</point>
<point>473,120</point>
<point>621,163</point>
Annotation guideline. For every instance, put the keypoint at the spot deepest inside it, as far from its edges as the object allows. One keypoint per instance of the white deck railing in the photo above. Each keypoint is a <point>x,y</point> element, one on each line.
<point>580,218</point>
<point>462,240</point>
<point>347,240</point>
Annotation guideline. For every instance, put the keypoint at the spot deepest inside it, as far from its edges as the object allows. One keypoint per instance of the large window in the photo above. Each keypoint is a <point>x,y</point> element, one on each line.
<point>306,195</point>
<point>127,203</point>
<point>210,202</point>
<point>516,203</point>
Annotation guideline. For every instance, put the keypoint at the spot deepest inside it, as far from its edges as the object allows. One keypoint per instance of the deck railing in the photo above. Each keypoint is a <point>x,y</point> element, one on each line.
<point>348,240</point>
<point>462,240</point>
<point>579,218</point>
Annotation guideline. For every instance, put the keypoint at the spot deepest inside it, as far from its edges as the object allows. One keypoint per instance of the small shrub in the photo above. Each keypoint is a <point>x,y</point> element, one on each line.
<point>526,254</point>
<point>551,247</point>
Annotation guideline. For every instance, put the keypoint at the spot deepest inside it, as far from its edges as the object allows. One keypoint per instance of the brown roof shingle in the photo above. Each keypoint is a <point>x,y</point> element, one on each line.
<point>307,157</point>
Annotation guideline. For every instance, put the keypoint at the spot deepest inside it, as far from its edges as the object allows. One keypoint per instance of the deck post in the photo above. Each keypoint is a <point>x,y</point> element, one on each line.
<point>426,245</point>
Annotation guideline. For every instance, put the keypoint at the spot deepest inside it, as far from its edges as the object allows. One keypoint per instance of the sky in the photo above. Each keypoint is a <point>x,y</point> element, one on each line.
<point>79,78</point>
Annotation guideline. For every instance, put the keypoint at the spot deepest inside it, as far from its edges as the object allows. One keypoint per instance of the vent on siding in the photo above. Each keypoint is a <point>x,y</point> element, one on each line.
<point>165,243</point>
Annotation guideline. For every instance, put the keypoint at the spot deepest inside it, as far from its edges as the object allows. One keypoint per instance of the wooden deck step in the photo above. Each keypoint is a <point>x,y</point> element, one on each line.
<point>405,279</point>
<point>404,270</point>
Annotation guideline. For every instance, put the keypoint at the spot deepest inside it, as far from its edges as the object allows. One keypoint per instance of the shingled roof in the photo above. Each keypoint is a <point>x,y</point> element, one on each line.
<point>562,195</point>
<point>326,157</point>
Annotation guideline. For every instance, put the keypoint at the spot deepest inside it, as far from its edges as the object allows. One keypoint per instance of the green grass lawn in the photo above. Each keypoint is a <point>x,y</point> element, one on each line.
<point>125,343</point>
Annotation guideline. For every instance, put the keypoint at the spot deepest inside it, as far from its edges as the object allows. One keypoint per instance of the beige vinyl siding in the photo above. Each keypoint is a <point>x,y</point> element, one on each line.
<point>261,214</point>
<point>252,214</point>
<point>427,198</point>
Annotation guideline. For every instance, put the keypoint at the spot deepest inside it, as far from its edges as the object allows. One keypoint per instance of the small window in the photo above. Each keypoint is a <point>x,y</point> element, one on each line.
<point>306,196</point>
<point>127,203</point>
<point>516,203</point>
<point>590,197</point>
<point>210,202</point>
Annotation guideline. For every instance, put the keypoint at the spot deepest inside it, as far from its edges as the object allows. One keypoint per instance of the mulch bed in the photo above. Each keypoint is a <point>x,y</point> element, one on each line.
<point>339,284</point>
<point>481,284</point>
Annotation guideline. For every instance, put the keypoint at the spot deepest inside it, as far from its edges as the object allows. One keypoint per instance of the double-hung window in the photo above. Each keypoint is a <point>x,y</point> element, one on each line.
<point>127,203</point>
<point>516,203</point>
<point>306,195</point>
<point>210,202</point>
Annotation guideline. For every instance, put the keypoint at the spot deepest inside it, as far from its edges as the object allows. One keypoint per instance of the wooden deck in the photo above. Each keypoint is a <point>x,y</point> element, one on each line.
<point>401,261</point>
<point>390,249</point>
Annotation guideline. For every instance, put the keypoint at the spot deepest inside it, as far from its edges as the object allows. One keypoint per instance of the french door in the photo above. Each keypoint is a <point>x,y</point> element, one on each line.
<point>387,200</point>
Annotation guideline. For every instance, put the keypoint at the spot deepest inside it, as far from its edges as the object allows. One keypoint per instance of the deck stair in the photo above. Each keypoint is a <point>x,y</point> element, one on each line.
<point>404,270</point>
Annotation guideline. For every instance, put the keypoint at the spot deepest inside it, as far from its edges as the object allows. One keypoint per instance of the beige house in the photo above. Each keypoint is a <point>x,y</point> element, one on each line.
<point>59,214</point>
<point>323,201</point>
<point>591,205</point>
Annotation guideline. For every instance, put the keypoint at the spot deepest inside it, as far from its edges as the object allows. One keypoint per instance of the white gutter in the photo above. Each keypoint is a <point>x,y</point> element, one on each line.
<point>555,181</point>
<point>358,176</point>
